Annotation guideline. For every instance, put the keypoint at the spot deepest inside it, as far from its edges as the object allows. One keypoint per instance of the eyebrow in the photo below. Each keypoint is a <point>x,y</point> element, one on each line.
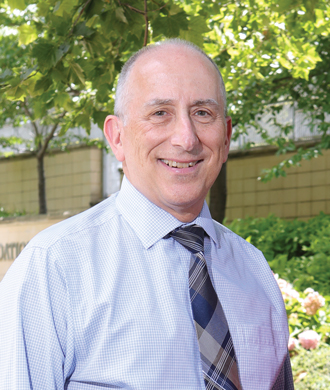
<point>200,102</point>
<point>158,102</point>
<point>206,102</point>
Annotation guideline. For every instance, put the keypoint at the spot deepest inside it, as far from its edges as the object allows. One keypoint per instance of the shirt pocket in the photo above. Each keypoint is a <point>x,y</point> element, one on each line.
<point>261,352</point>
<point>260,335</point>
<point>74,385</point>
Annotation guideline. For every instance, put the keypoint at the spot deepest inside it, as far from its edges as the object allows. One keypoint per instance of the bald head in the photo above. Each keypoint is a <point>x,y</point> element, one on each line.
<point>123,87</point>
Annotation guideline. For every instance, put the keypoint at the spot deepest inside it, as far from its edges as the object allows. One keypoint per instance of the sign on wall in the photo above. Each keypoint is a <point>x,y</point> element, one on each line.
<point>11,250</point>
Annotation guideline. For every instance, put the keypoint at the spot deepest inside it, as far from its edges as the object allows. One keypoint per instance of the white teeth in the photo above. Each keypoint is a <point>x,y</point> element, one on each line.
<point>176,164</point>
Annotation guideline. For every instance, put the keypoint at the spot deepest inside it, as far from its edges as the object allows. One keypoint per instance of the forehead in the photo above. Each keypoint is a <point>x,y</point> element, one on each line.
<point>173,72</point>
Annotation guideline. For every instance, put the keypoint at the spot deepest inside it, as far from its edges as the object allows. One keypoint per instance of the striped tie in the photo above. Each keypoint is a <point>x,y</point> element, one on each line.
<point>215,343</point>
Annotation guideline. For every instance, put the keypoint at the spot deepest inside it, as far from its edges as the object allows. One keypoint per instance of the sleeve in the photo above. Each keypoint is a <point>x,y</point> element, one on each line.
<point>285,380</point>
<point>36,328</point>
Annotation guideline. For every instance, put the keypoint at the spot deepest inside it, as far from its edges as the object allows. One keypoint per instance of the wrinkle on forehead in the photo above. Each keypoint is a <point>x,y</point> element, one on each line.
<point>165,65</point>
<point>163,102</point>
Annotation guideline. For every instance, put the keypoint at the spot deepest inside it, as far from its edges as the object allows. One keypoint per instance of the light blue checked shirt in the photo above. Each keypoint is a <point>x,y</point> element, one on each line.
<point>102,301</point>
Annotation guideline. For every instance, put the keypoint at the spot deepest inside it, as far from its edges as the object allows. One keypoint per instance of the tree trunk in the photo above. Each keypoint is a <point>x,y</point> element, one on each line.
<point>218,195</point>
<point>41,185</point>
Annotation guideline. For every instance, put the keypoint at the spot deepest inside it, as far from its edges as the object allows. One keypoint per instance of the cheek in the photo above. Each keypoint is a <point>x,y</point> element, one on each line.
<point>132,144</point>
<point>146,142</point>
<point>213,141</point>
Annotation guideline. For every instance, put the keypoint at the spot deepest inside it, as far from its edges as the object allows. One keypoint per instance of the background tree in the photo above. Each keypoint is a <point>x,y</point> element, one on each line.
<point>59,70</point>
<point>59,61</point>
<point>273,53</point>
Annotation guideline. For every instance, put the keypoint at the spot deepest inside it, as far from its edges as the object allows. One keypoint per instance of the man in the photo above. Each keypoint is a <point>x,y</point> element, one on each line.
<point>118,296</point>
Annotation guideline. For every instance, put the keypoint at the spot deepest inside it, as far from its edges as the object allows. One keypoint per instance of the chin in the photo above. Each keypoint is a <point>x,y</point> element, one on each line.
<point>181,202</point>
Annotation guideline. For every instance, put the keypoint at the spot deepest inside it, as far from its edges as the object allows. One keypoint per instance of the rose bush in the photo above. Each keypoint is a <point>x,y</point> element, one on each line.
<point>308,316</point>
<point>309,325</point>
<point>309,339</point>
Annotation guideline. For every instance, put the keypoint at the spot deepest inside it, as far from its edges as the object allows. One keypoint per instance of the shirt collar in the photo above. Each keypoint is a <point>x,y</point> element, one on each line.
<point>150,222</point>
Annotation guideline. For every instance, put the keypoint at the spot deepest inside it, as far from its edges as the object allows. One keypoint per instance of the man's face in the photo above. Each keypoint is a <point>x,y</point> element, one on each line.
<point>174,139</point>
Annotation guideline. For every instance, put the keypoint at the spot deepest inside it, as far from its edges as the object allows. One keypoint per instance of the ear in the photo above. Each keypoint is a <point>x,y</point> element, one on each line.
<point>228,136</point>
<point>112,130</point>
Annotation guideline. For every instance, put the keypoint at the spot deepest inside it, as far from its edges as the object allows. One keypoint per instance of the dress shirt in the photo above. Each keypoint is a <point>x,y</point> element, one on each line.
<point>101,300</point>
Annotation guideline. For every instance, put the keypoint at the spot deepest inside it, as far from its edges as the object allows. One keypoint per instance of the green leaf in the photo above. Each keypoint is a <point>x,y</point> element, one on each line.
<point>299,72</point>
<point>45,53</point>
<point>83,30</point>
<point>120,15</point>
<point>43,8</point>
<point>27,34</point>
<point>5,74</point>
<point>20,94</point>
<point>285,63</point>
<point>16,93</point>
<point>28,72</point>
<point>258,75</point>
<point>196,28</point>
<point>17,4</point>
<point>66,6</point>
<point>42,85</point>
<point>92,21</point>
<point>62,100</point>
<point>170,26</point>
<point>99,118</point>
<point>77,75</point>
<point>58,76</point>
<point>84,121</point>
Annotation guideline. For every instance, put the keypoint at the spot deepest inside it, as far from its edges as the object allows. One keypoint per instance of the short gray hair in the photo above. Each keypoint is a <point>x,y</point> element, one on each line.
<point>122,90</point>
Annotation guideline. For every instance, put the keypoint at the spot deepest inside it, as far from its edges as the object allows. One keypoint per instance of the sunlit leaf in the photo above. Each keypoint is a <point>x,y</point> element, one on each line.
<point>27,34</point>
<point>17,4</point>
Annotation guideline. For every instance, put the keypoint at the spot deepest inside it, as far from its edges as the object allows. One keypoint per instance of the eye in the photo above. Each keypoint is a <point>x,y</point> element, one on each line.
<point>203,116</point>
<point>202,113</point>
<point>160,113</point>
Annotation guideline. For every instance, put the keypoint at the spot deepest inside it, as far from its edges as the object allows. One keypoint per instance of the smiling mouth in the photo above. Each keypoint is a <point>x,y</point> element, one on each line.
<point>176,164</point>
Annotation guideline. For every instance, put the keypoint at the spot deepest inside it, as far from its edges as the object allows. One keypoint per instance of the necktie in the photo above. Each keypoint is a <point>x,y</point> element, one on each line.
<point>215,343</point>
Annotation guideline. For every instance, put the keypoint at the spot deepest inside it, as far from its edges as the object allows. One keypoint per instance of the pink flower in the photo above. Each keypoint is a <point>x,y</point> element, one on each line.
<point>287,290</point>
<point>309,339</point>
<point>313,302</point>
<point>292,344</point>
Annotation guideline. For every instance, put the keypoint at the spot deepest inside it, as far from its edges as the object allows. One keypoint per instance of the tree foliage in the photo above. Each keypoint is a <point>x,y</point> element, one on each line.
<point>59,59</point>
<point>271,53</point>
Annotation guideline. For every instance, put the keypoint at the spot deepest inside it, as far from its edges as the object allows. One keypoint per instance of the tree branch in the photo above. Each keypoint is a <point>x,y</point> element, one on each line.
<point>282,79</point>
<point>160,7</point>
<point>75,92</point>
<point>133,8</point>
<point>142,12</point>
<point>79,16</point>
<point>147,23</point>
<point>43,149</point>
<point>28,113</point>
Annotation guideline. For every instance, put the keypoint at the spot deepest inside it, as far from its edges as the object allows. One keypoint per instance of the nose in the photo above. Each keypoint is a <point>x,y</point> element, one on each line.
<point>184,133</point>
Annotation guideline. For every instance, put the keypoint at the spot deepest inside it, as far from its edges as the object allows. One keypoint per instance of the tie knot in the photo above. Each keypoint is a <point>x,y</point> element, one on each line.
<point>191,237</point>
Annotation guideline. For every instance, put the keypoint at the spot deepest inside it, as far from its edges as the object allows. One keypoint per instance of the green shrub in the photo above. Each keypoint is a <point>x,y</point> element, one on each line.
<point>298,251</point>
<point>6,214</point>
<point>311,369</point>
<point>302,316</point>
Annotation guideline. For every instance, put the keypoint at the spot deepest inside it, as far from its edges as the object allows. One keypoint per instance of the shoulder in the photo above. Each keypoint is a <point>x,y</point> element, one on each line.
<point>230,238</point>
<point>76,227</point>
<point>64,247</point>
